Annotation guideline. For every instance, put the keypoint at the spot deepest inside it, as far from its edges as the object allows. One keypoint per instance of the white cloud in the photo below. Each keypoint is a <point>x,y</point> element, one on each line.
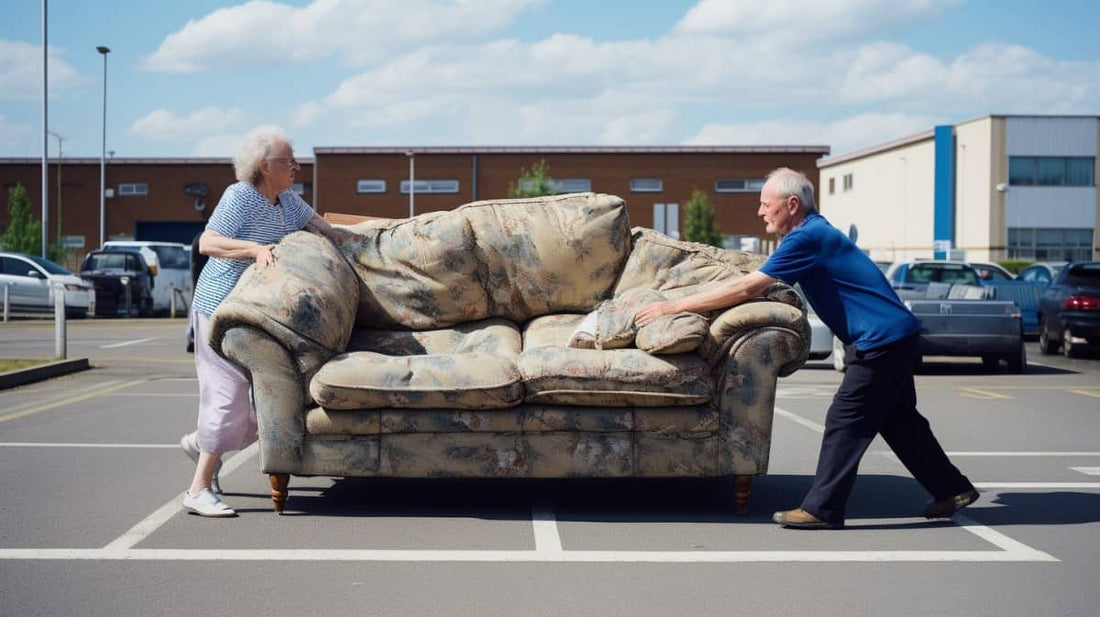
<point>19,76</point>
<point>993,77</point>
<point>217,145</point>
<point>265,33</point>
<point>17,137</point>
<point>793,20</point>
<point>844,135</point>
<point>163,125</point>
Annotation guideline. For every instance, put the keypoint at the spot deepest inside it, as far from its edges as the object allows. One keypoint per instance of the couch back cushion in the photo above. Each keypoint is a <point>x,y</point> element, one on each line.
<point>664,264</point>
<point>515,259</point>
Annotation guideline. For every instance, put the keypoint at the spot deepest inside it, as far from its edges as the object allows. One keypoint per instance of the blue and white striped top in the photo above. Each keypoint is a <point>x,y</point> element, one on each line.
<point>243,213</point>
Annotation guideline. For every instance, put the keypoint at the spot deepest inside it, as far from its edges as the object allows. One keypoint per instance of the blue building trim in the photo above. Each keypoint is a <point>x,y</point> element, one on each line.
<point>943,223</point>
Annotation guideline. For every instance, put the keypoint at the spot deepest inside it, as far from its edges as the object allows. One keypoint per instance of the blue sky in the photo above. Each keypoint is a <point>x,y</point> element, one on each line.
<point>189,78</point>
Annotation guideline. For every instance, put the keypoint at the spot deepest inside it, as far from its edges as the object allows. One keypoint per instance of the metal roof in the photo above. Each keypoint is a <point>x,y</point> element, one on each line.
<point>573,150</point>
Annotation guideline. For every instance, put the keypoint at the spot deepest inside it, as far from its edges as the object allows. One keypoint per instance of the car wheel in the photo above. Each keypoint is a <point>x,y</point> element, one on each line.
<point>1069,350</point>
<point>1046,346</point>
<point>838,356</point>
<point>1017,362</point>
<point>918,363</point>
<point>991,363</point>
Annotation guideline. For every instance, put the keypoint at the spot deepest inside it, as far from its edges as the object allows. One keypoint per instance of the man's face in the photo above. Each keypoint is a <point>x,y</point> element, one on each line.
<point>777,211</point>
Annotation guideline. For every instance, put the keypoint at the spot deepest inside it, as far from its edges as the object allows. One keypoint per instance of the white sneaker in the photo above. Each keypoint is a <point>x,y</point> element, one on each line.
<point>206,503</point>
<point>190,445</point>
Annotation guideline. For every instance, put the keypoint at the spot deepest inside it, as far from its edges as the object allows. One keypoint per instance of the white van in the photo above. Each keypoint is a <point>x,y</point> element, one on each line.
<point>171,268</point>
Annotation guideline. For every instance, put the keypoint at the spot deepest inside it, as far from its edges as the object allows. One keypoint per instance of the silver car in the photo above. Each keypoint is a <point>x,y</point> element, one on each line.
<point>32,283</point>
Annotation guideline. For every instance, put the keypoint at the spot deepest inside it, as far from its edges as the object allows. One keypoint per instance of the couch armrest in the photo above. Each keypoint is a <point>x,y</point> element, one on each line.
<point>306,301</point>
<point>745,398</point>
<point>278,390</point>
<point>729,327</point>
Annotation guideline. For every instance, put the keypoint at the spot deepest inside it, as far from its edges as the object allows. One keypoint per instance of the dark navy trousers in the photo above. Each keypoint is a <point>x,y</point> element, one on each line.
<point>878,396</point>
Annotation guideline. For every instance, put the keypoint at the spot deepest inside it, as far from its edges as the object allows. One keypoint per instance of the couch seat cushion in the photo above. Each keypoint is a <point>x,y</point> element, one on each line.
<point>470,366</point>
<point>614,377</point>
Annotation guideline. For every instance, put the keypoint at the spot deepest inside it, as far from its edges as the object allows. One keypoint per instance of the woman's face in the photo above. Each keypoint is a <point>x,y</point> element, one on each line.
<point>280,168</point>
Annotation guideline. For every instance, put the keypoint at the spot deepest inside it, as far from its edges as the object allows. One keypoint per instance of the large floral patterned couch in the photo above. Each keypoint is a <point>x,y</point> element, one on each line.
<point>497,340</point>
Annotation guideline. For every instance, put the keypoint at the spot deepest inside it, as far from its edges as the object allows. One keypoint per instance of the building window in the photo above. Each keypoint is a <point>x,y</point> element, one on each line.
<point>300,188</point>
<point>646,185</point>
<point>1051,171</point>
<point>563,185</point>
<point>666,219</point>
<point>832,185</point>
<point>431,186</point>
<point>373,186</point>
<point>848,182</point>
<point>1049,244</point>
<point>737,185</point>
<point>572,185</point>
<point>133,189</point>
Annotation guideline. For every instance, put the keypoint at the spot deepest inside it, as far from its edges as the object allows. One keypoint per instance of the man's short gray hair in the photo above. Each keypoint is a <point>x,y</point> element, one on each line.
<point>788,182</point>
<point>259,144</point>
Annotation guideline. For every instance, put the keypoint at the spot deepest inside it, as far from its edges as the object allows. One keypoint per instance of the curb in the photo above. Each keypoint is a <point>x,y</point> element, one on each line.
<point>42,372</point>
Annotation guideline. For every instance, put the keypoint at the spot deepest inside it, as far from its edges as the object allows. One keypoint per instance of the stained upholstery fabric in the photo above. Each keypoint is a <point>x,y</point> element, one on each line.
<point>439,347</point>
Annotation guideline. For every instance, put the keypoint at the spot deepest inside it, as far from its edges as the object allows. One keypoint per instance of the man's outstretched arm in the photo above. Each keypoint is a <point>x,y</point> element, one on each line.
<point>732,293</point>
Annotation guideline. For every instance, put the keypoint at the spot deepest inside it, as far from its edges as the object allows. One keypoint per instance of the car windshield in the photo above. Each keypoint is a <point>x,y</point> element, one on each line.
<point>943,273</point>
<point>48,265</point>
<point>172,256</point>
<point>1085,275</point>
<point>105,261</point>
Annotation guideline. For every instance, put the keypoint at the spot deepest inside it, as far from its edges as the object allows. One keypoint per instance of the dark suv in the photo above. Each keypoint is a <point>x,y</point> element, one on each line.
<point>111,272</point>
<point>1069,312</point>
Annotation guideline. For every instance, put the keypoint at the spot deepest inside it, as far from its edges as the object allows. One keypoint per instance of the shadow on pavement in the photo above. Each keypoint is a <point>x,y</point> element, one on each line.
<point>689,500</point>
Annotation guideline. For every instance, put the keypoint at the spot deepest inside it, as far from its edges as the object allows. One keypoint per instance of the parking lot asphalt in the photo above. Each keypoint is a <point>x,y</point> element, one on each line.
<point>91,523</point>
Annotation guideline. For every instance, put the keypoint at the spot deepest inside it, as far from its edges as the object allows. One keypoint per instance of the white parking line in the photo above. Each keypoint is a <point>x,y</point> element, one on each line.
<point>127,343</point>
<point>142,530</point>
<point>547,540</point>
<point>30,444</point>
<point>1038,485</point>
<point>797,419</point>
<point>1015,553</point>
<point>1088,471</point>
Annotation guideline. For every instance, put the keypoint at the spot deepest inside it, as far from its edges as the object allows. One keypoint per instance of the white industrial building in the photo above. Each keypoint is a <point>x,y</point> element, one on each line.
<point>998,187</point>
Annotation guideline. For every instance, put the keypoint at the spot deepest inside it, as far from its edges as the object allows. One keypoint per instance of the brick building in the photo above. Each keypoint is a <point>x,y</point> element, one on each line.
<point>155,199</point>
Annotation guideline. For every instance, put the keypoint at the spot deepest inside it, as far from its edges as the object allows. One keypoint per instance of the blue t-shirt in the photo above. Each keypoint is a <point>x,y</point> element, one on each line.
<point>243,213</point>
<point>846,289</point>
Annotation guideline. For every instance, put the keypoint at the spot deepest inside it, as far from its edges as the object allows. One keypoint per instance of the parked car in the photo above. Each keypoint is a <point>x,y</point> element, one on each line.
<point>916,275</point>
<point>33,281</point>
<point>959,313</point>
<point>112,272</point>
<point>1069,312</point>
<point>170,265</point>
<point>1042,272</point>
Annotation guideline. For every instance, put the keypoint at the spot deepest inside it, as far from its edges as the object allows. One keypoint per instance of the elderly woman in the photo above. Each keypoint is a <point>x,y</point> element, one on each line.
<point>252,216</point>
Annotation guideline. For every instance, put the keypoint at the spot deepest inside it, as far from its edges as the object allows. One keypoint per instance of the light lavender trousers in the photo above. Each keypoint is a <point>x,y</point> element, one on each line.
<point>227,420</point>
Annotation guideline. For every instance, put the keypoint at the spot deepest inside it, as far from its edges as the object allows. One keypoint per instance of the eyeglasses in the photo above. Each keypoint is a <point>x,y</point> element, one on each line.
<point>289,162</point>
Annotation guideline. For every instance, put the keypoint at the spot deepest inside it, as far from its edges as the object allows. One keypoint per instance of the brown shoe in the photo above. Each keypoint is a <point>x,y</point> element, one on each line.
<point>946,508</point>
<point>801,519</point>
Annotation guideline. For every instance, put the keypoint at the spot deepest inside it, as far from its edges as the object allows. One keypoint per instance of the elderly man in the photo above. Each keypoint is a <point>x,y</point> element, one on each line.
<point>877,396</point>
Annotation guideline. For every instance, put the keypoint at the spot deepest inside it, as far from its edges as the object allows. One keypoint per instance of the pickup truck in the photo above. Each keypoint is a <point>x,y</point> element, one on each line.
<point>957,315</point>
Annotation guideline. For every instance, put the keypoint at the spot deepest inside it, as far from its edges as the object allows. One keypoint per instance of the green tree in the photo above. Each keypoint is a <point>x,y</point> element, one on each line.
<point>534,181</point>
<point>700,224</point>
<point>24,232</point>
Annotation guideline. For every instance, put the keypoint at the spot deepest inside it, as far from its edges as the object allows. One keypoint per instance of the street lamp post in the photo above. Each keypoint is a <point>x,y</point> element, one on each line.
<point>412,181</point>
<point>103,153</point>
<point>60,160</point>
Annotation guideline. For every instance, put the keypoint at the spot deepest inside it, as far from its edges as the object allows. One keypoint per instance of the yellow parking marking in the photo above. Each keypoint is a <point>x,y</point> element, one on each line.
<point>1093,392</point>
<point>70,400</point>
<point>982,394</point>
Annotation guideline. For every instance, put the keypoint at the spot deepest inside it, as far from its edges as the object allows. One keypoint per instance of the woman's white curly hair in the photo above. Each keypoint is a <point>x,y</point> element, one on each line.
<point>259,144</point>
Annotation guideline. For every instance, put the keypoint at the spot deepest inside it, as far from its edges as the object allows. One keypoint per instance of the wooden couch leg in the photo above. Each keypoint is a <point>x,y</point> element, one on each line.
<point>742,487</point>
<point>279,482</point>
